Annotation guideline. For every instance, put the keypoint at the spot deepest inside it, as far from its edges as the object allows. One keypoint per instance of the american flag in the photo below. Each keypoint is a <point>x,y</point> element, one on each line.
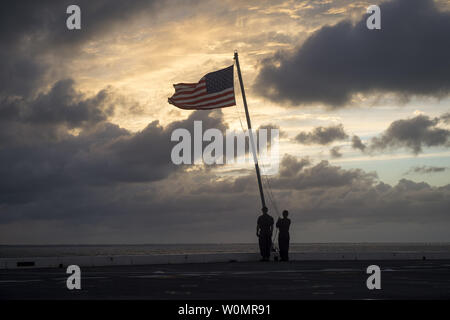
<point>214,90</point>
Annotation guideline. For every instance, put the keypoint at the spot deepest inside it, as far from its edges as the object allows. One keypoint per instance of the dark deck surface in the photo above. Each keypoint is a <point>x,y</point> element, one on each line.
<point>243,280</point>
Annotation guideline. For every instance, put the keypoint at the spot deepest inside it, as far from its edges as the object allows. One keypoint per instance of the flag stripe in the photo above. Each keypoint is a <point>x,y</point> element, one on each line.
<point>204,97</point>
<point>219,100</point>
<point>200,104</point>
<point>209,107</point>
<point>179,86</point>
<point>190,96</point>
<point>185,93</point>
<point>214,90</point>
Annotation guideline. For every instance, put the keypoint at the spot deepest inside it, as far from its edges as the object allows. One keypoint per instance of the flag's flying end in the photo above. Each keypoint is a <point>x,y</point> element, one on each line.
<point>214,90</point>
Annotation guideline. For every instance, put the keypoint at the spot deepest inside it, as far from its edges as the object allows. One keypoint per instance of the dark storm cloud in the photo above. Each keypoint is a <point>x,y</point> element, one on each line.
<point>322,135</point>
<point>270,126</point>
<point>29,30</point>
<point>297,174</point>
<point>47,117</point>
<point>335,152</point>
<point>202,207</point>
<point>445,118</point>
<point>326,192</point>
<point>426,170</point>
<point>300,174</point>
<point>38,154</point>
<point>19,72</point>
<point>60,139</point>
<point>357,143</point>
<point>290,165</point>
<point>59,154</point>
<point>413,134</point>
<point>320,192</point>
<point>408,56</point>
<point>44,22</point>
<point>61,105</point>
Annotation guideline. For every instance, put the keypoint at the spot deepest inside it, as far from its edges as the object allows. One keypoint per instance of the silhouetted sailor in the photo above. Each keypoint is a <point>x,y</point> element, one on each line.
<point>264,231</point>
<point>283,236</point>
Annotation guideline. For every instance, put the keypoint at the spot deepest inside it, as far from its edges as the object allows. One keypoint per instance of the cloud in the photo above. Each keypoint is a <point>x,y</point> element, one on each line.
<point>322,135</point>
<point>48,116</point>
<point>323,192</point>
<point>426,170</point>
<point>45,22</point>
<point>445,118</point>
<point>321,175</point>
<point>39,153</point>
<point>357,143</point>
<point>270,126</point>
<point>413,134</point>
<point>62,104</point>
<point>408,56</point>
<point>32,33</point>
<point>335,152</point>
<point>289,165</point>
<point>205,207</point>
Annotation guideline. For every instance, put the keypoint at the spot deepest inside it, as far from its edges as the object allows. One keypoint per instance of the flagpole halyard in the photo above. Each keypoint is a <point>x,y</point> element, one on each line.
<point>249,125</point>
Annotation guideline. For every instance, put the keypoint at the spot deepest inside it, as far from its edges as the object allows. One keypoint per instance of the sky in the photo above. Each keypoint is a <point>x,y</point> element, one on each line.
<point>85,127</point>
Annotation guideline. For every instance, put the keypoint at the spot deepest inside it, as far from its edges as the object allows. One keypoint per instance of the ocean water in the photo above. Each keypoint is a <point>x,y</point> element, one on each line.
<point>8,251</point>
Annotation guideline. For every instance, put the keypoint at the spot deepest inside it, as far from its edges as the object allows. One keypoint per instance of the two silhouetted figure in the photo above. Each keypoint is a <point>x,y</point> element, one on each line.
<point>264,230</point>
<point>283,225</point>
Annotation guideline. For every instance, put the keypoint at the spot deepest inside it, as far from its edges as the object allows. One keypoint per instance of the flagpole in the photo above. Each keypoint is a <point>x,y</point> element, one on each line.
<point>249,125</point>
